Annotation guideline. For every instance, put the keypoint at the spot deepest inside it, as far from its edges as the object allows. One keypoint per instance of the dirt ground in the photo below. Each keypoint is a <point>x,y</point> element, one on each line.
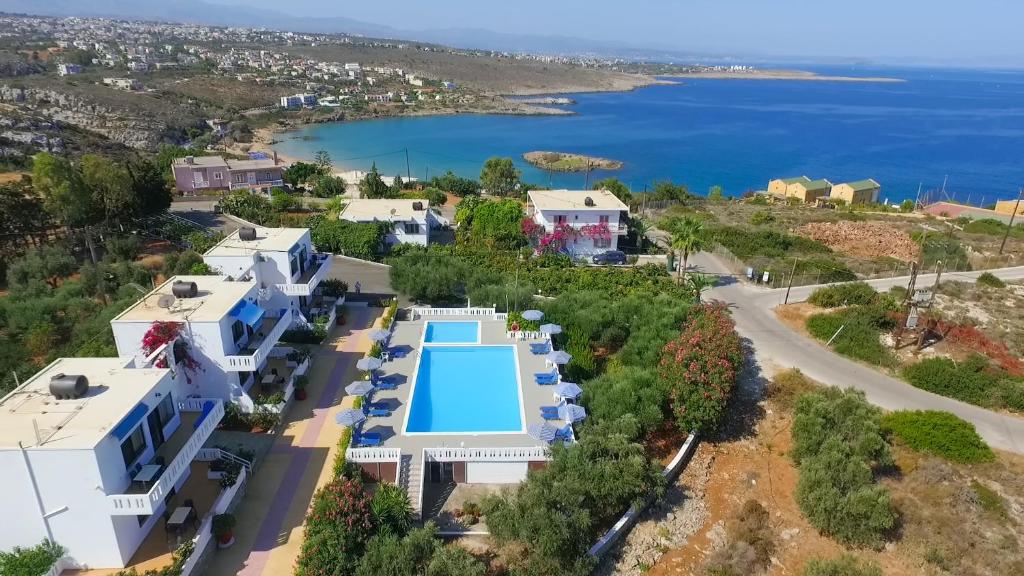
<point>949,525</point>
<point>8,177</point>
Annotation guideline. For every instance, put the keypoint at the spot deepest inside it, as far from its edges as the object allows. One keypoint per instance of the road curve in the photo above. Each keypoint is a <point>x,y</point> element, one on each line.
<point>775,344</point>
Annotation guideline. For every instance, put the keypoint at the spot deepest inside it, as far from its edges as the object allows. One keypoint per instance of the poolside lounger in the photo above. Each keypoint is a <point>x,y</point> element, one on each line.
<point>541,348</point>
<point>369,439</point>
<point>546,379</point>
<point>386,385</point>
<point>546,375</point>
<point>378,412</point>
<point>564,433</point>
<point>547,414</point>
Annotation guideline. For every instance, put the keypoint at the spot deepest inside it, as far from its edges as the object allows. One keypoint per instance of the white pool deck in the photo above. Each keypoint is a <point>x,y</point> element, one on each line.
<point>407,337</point>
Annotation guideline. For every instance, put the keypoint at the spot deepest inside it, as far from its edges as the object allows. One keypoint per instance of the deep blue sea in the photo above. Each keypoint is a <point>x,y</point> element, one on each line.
<point>967,125</point>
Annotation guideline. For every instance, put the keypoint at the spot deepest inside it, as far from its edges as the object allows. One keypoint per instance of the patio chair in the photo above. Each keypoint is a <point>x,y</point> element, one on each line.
<point>369,439</point>
<point>541,348</point>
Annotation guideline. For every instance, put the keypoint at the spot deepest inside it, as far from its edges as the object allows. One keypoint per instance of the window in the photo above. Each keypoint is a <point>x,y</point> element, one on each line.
<point>133,446</point>
<point>602,242</point>
<point>603,219</point>
<point>560,219</point>
<point>412,227</point>
<point>218,176</point>
<point>239,178</point>
<point>166,409</point>
<point>237,330</point>
<point>294,265</point>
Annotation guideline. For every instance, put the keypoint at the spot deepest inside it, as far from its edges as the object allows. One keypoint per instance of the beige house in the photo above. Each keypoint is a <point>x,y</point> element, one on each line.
<point>1007,206</point>
<point>801,187</point>
<point>780,186</point>
<point>859,192</point>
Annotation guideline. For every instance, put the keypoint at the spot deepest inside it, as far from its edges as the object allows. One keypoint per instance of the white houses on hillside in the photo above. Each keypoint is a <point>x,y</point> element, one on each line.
<point>92,451</point>
<point>282,261</point>
<point>230,333</point>
<point>596,218</point>
<point>412,220</point>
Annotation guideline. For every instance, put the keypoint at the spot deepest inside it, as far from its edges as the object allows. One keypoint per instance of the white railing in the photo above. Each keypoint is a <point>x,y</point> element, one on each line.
<point>522,335</point>
<point>204,535</point>
<point>501,315</point>
<point>211,454</point>
<point>63,563</point>
<point>249,363</point>
<point>418,510</point>
<point>424,311</point>
<point>255,184</point>
<point>306,288</point>
<point>523,454</point>
<point>289,388</point>
<point>373,454</point>
<point>144,504</point>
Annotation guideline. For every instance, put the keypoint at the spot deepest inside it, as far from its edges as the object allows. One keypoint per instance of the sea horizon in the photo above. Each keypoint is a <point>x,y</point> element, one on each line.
<point>958,128</point>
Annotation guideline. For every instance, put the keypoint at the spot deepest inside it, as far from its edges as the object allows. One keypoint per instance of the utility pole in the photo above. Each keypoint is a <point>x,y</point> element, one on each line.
<point>792,273</point>
<point>587,185</point>
<point>408,170</point>
<point>907,305</point>
<point>1016,208</point>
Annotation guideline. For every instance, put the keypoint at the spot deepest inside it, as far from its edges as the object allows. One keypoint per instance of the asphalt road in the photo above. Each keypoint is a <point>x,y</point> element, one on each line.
<point>776,347</point>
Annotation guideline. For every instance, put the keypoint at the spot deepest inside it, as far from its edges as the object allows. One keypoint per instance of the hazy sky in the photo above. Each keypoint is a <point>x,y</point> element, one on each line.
<point>938,30</point>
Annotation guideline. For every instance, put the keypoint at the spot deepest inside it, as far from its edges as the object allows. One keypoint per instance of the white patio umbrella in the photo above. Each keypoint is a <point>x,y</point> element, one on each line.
<point>350,417</point>
<point>559,357</point>
<point>568,390</point>
<point>379,335</point>
<point>550,329</point>
<point>369,363</point>
<point>571,412</point>
<point>359,388</point>
<point>532,315</point>
<point>542,431</point>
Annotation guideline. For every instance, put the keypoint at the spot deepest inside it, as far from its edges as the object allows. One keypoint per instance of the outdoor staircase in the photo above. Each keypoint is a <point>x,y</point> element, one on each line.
<point>438,503</point>
<point>409,480</point>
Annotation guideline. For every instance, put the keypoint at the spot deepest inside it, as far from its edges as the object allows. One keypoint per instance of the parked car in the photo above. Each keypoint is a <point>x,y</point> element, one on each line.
<point>610,257</point>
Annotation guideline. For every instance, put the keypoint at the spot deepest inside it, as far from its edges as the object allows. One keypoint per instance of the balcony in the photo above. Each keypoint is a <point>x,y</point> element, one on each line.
<point>616,229</point>
<point>263,340</point>
<point>180,449</point>
<point>257,184</point>
<point>319,266</point>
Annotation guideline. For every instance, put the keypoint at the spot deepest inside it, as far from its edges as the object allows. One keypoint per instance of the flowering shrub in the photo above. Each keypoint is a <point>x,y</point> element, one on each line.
<point>161,333</point>
<point>700,368</point>
<point>339,523</point>
<point>531,229</point>
<point>556,240</point>
<point>596,231</point>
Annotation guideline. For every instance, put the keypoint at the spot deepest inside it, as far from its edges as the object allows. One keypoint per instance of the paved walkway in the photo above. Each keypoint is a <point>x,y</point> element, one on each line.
<point>776,346</point>
<point>268,535</point>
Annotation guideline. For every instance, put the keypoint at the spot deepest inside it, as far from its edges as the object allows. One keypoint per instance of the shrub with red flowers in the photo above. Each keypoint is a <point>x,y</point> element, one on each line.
<point>531,229</point>
<point>339,523</point>
<point>161,333</point>
<point>599,231</point>
<point>701,366</point>
<point>555,241</point>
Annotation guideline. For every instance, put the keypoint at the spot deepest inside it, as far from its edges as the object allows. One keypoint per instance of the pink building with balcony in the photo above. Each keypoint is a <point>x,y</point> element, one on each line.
<point>202,174</point>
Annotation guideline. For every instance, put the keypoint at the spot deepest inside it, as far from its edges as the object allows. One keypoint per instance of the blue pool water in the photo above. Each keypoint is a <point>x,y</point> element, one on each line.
<point>452,333</point>
<point>466,389</point>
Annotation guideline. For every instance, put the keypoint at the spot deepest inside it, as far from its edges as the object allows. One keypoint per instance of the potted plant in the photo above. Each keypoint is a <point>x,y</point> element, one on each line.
<point>300,387</point>
<point>224,530</point>
<point>340,315</point>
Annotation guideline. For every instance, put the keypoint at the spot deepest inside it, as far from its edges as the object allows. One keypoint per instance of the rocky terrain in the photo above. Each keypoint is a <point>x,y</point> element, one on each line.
<point>868,240</point>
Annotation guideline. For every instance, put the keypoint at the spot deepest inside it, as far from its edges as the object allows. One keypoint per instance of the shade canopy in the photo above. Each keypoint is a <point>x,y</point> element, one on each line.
<point>568,390</point>
<point>359,388</point>
<point>248,312</point>
<point>542,431</point>
<point>379,335</point>
<point>532,315</point>
<point>350,417</point>
<point>128,423</point>
<point>550,329</point>
<point>559,357</point>
<point>571,412</point>
<point>369,363</point>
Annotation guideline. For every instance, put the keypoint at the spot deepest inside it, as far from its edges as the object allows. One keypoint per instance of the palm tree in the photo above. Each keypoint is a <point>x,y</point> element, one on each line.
<point>642,227</point>
<point>688,238</point>
<point>698,283</point>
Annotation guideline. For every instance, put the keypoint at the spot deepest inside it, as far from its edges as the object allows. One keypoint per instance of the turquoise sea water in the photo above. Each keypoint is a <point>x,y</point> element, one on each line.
<point>967,125</point>
<point>466,389</point>
<point>452,332</point>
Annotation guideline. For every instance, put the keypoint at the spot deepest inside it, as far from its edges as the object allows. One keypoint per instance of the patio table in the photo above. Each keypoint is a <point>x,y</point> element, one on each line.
<point>147,474</point>
<point>178,518</point>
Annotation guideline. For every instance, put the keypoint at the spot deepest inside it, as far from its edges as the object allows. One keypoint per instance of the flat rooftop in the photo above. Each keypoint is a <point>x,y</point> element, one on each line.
<point>219,162</point>
<point>217,296</point>
<point>75,424</point>
<point>576,200</point>
<point>382,209</point>
<point>267,240</point>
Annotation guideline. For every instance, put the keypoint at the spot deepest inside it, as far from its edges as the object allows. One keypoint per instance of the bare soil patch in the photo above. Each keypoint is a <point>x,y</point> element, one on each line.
<point>869,240</point>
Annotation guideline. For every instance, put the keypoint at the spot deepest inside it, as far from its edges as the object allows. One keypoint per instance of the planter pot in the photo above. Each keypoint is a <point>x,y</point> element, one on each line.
<point>226,541</point>
<point>300,394</point>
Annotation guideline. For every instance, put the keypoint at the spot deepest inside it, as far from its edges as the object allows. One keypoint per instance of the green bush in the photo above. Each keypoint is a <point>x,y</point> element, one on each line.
<point>847,294</point>
<point>392,511</point>
<point>356,239</point>
<point>859,338</point>
<point>33,561</point>
<point>337,528</point>
<point>845,565</point>
<point>746,243</point>
<point>971,381</point>
<point>991,280</point>
<point>939,433</point>
<point>991,227</point>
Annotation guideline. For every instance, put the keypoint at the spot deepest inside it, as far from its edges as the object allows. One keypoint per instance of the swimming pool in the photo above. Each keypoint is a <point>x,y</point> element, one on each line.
<point>465,389</point>
<point>452,333</point>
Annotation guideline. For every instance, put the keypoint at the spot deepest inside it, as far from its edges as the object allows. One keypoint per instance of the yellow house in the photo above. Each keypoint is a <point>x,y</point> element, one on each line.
<point>809,192</point>
<point>780,186</point>
<point>1006,207</point>
<point>859,192</point>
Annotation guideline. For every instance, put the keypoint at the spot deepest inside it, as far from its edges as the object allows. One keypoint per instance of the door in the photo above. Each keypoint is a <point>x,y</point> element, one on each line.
<point>156,429</point>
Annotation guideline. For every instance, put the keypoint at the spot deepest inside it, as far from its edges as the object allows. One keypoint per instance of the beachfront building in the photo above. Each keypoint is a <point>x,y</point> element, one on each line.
<point>595,218</point>
<point>94,451</point>
<point>801,188</point>
<point>230,336</point>
<point>204,174</point>
<point>859,192</point>
<point>411,220</point>
<point>282,262</point>
<point>1008,206</point>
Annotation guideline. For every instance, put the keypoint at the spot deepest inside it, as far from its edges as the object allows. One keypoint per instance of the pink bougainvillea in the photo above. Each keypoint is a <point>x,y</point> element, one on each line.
<point>599,231</point>
<point>161,333</point>
<point>556,240</point>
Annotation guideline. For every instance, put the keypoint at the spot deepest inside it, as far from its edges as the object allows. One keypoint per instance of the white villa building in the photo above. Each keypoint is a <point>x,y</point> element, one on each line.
<point>282,261</point>
<point>231,334</point>
<point>412,220</point>
<point>93,451</point>
<point>597,217</point>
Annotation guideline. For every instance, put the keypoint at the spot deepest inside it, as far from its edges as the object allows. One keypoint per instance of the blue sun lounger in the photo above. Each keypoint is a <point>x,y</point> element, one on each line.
<point>546,378</point>
<point>564,433</point>
<point>549,412</point>
<point>369,439</point>
<point>541,348</point>
<point>386,385</point>
<point>377,412</point>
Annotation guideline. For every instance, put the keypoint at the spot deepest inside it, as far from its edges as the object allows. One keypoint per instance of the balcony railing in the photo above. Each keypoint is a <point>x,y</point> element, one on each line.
<point>319,267</point>
<point>617,229</point>
<point>148,502</point>
<point>249,360</point>
<point>256,184</point>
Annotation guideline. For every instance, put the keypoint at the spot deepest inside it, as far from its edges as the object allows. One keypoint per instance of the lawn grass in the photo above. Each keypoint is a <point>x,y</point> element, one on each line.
<point>939,433</point>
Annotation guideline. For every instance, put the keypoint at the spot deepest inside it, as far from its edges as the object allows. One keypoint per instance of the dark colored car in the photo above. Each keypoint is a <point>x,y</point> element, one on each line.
<point>610,257</point>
